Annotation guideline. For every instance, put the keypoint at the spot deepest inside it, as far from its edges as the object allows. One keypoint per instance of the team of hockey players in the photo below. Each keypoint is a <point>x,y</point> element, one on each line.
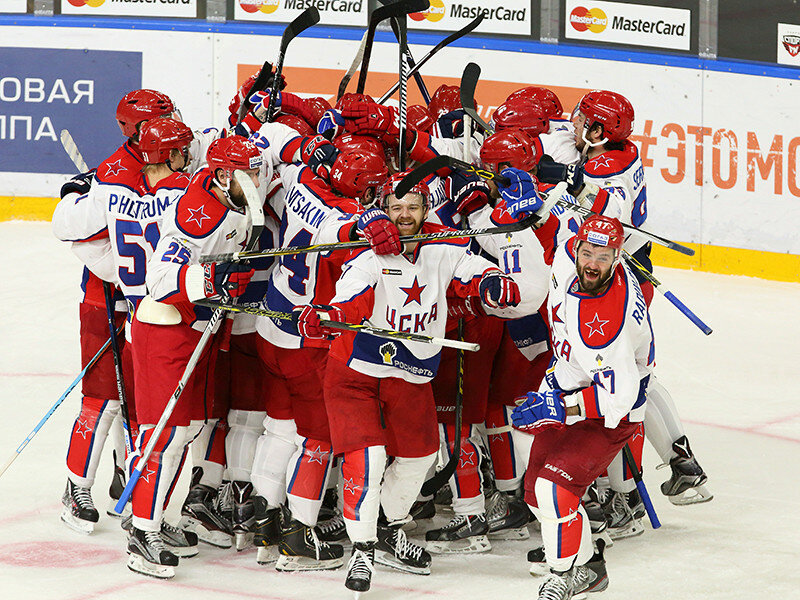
<point>304,437</point>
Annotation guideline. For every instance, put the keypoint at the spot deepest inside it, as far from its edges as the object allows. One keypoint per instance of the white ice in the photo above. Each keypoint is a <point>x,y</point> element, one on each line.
<point>735,389</point>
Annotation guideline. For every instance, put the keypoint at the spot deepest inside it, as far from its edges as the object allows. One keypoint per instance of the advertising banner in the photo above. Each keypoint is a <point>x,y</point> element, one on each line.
<point>789,44</point>
<point>13,6</point>
<point>331,12</point>
<point>622,23</point>
<point>43,91</point>
<point>131,8</point>
<point>510,17</point>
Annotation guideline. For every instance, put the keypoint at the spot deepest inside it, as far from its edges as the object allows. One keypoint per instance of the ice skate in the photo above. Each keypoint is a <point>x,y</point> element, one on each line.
<point>687,483</point>
<point>243,514</point>
<point>149,555</point>
<point>266,531</point>
<point>360,568</point>
<point>200,515</point>
<point>558,585</point>
<point>115,491</point>
<point>508,517</point>
<point>396,551</point>
<point>333,530</point>
<point>301,550</point>
<point>180,542</point>
<point>330,505</point>
<point>443,498</point>
<point>464,534</point>
<point>624,512</point>
<point>79,512</point>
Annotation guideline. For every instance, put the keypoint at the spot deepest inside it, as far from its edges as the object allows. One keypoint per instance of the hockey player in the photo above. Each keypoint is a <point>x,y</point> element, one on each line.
<point>292,460</point>
<point>591,401</point>
<point>207,218</point>
<point>377,393</point>
<point>100,403</point>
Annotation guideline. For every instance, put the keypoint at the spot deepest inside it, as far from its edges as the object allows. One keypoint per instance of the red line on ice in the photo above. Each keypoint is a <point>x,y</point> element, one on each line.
<point>751,430</point>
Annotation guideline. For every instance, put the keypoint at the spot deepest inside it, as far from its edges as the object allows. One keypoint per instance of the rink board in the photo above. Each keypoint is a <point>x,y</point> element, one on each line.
<point>721,150</point>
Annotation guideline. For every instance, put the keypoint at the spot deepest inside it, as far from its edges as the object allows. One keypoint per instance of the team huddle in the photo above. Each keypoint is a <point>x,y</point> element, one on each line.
<point>322,391</point>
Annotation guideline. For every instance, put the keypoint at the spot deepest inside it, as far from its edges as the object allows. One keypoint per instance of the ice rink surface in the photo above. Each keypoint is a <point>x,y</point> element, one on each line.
<point>736,391</point>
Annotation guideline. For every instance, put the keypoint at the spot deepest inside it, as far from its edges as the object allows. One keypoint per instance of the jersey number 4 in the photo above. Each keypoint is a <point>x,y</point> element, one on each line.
<point>296,263</point>
<point>131,240</point>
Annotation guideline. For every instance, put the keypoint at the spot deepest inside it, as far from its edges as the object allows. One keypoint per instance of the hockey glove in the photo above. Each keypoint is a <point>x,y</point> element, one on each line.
<point>460,308</point>
<point>227,280</point>
<point>498,290</point>
<point>260,102</point>
<point>79,184</point>
<point>471,197</point>
<point>319,154</point>
<point>331,125</point>
<point>380,232</point>
<point>307,318</point>
<point>451,125</point>
<point>550,171</point>
<point>538,411</point>
<point>520,194</point>
<point>372,119</point>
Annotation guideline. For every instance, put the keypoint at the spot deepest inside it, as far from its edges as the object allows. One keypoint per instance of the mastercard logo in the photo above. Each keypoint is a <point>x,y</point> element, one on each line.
<point>265,6</point>
<point>581,19</point>
<point>93,3</point>
<point>433,14</point>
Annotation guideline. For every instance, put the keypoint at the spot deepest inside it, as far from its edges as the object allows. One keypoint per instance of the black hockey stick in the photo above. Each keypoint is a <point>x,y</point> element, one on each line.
<point>430,487</point>
<point>637,477</point>
<point>469,27</point>
<point>308,18</point>
<point>402,39</point>
<point>259,85</point>
<point>353,66</point>
<point>469,81</point>
<point>115,351</point>
<point>403,7</point>
<point>396,23</point>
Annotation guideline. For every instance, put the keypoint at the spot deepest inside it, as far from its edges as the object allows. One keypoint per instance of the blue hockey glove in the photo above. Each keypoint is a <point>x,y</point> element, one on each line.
<point>520,194</point>
<point>539,410</point>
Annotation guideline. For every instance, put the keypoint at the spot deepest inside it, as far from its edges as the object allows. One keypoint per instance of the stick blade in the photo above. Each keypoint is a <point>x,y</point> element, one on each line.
<point>254,206</point>
<point>420,173</point>
<point>469,81</point>
<point>308,18</point>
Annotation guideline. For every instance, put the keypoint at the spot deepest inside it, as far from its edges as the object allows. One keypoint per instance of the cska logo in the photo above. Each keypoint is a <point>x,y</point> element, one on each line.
<point>792,44</point>
<point>388,352</point>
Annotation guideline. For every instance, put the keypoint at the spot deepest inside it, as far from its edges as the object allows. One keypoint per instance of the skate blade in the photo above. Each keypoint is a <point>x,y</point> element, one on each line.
<point>387,559</point>
<point>515,533</point>
<point>603,535</point>
<point>696,495</point>
<point>219,539</point>
<point>471,545</point>
<point>243,541</point>
<point>138,564</point>
<point>632,529</point>
<point>267,555</point>
<point>539,569</point>
<point>183,551</point>
<point>305,563</point>
<point>114,514</point>
<point>76,524</point>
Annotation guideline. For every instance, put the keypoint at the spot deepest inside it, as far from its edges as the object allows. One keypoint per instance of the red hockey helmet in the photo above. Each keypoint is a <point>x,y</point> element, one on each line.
<point>316,108</point>
<point>297,123</point>
<point>512,146</point>
<point>349,101</point>
<point>355,171</point>
<point>231,153</point>
<point>158,137</point>
<point>390,185</point>
<point>363,143</point>
<point>611,110</point>
<point>601,231</point>
<point>521,113</point>
<point>546,98</point>
<point>141,105</point>
<point>445,99</point>
<point>419,118</point>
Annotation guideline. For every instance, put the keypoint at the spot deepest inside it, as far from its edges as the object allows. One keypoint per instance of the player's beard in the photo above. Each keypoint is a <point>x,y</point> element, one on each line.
<point>593,281</point>
<point>408,226</point>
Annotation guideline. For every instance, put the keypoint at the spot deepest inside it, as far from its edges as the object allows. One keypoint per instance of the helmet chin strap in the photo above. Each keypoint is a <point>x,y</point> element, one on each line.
<point>588,144</point>
<point>185,162</point>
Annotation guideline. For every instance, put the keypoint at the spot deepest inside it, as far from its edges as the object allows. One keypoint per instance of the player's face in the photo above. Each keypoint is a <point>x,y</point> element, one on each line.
<point>236,193</point>
<point>593,264</point>
<point>407,213</point>
<point>578,121</point>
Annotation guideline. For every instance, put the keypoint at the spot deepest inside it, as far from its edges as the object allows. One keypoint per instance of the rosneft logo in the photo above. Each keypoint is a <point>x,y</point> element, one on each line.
<point>434,13</point>
<point>93,3</point>
<point>581,19</point>
<point>265,6</point>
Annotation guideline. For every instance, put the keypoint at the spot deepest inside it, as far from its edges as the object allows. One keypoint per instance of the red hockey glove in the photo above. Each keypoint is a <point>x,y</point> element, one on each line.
<point>498,290</point>
<point>380,232</point>
<point>225,279</point>
<point>307,318</point>
<point>371,119</point>
<point>458,308</point>
<point>473,196</point>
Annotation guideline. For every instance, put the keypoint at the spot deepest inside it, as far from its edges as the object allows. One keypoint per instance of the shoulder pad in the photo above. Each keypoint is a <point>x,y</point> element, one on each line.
<point>601,318</point>
<point>612,162</point>
<point>198,212</point>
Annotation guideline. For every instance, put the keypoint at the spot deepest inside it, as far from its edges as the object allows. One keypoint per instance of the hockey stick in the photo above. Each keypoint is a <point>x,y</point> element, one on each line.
<point>637,477</point>
<point>353,66</point>
<point>667,293</point>
<point>419,237</point>
<point>469,81</point>
<point>308,18</point>
<point>72,151</point>
<point>115,351</point>
<point>362,328</point>
<point>402,39</point>
<point>469,27</point>
<point>396,25</point>
<point>430,487</point>
<point>259,85</point>
<point>58,402</point>
<point>403,7</point>
<point>257,220</point>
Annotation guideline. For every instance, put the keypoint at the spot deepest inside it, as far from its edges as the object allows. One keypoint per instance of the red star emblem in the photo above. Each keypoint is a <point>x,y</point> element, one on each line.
<point>197,215</point>
<point>351,487</point>
<point>555,318</point>
<point>602,161</point>
<point>83,428</point>
<point>146,474</point>
<point>595,325</point>
<point>466,458</point>
<point>413,293</point>
<point>115,167</point>
<point>316,455</point>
